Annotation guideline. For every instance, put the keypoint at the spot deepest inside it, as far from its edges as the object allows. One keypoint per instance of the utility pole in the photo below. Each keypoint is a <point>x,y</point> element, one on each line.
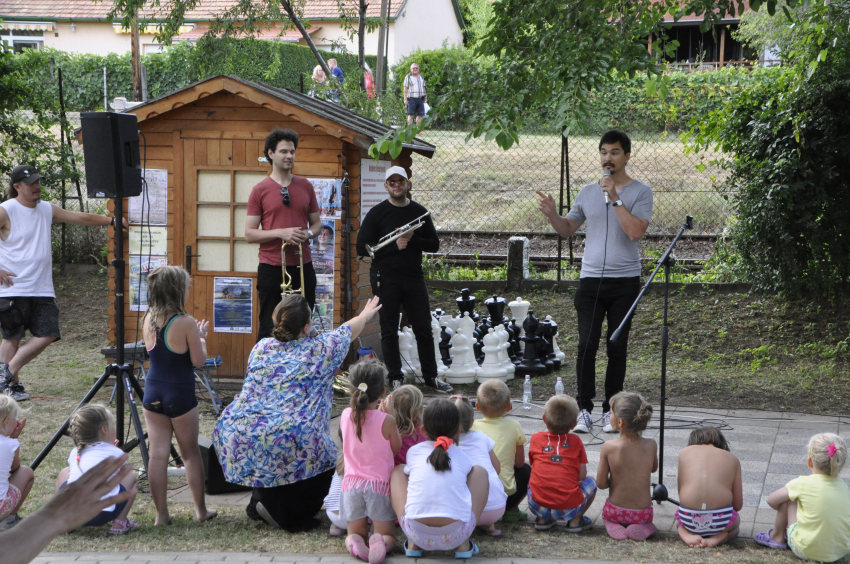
<point>136,57</point>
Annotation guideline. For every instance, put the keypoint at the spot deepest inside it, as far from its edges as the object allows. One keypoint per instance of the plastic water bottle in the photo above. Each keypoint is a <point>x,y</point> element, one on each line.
<point>559,387</point>
<point>526,393</point>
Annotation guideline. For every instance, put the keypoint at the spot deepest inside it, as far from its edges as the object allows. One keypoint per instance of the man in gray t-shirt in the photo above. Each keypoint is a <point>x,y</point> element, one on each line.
<point>617,210</point>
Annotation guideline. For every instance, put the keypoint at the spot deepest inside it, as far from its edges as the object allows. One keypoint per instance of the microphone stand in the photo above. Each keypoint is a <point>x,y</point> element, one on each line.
<point>659,491</point>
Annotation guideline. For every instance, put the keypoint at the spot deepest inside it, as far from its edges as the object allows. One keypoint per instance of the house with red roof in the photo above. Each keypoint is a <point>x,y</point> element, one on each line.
<point>81,26</point>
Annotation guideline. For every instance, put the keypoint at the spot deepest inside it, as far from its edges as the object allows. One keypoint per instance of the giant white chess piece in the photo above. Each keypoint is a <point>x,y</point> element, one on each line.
<point>491,368</point>
<point>404,353</point>
<point>558,352</point>
<point>436,332</point>
<point>414,352</point>
<point>460,372</point>
<point>519,310</point>
<point>504,358</point>
<point>466,326</point>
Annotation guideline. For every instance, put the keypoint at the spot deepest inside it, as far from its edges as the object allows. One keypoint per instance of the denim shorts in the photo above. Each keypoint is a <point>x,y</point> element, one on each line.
<point>39,314</point>
<point>415,107</point>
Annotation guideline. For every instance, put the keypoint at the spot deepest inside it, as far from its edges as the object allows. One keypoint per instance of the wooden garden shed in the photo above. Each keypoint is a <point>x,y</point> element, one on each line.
<point>209,137</point>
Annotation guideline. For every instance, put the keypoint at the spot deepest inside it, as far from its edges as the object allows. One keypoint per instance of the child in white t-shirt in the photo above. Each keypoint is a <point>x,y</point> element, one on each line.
<point>479,448</point>
<point>15,480</point>
<point>92,429</point>
<point>439,494</point>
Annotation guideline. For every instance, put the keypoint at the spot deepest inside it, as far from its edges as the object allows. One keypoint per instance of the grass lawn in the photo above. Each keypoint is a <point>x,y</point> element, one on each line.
<point>740,351</point>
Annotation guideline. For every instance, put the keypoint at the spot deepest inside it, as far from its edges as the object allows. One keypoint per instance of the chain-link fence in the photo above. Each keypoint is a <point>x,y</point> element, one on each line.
<point>475,186</point>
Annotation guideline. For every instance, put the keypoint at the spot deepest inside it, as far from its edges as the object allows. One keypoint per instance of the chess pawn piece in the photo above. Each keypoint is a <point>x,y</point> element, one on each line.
<point>496,307</point>
<point>414,353</point>
<point>438,313</point>
<point>436,333</point>
<point>446,335</point>
<point>460,372</point>
<point>518,344</point>
<point>491,368</point>
<point>561,355</point>
<point>404,352</point>
<point>530,359</point>
<point>466,303</point>
<point>504,359</point>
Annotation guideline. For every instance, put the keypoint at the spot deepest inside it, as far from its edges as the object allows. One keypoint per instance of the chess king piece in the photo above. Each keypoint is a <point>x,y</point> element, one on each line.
<point>460,372</point>
<point>491,368</point>
<point>519,310</point>
<point>466,303</point>
<point>561,355</point>
<point>436,333</point>
<point>530,358</point>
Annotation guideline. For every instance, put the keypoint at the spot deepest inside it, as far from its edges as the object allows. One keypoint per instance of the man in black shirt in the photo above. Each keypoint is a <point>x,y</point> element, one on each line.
<point>397,277</point>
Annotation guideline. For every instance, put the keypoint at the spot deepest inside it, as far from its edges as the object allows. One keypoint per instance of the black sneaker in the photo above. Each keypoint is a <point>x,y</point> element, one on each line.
<point>439,385</point>
<point>5,376</point>
<point>17,392</point>
<point>396,384</point>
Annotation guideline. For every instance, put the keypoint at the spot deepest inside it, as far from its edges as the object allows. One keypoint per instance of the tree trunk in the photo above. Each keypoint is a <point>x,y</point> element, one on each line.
<point>293,17</point>
<point>379,72</point>
<point>361,42</point>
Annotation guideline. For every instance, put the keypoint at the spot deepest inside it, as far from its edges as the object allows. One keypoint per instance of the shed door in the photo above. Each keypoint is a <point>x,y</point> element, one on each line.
<point>218,177</point>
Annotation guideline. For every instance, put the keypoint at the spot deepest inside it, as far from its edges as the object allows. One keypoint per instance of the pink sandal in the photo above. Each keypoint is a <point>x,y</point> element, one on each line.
<point>357,548</point>
<point>377,549</point>
<point>120,527</point>
<point>640,531</point>
<point>615,530</point>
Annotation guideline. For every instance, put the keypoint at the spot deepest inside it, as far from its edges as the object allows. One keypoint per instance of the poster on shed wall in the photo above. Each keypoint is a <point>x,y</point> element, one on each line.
<point>140,267</point>
<point>323,249</point>
<point>329,196</point>
<point>151,207</point>
<point>372,191</point>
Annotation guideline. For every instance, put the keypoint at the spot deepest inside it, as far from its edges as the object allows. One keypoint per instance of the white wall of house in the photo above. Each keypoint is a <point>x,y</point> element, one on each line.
<point>96,38</point>
<point>424,24</point>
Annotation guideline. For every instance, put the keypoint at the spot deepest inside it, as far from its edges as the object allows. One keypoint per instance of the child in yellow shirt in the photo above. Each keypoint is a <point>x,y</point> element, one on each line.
<point>494,402</point>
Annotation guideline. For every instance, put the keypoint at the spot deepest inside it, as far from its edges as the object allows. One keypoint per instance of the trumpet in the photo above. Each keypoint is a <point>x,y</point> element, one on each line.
<point>392,237</point>
<point>286,287</point>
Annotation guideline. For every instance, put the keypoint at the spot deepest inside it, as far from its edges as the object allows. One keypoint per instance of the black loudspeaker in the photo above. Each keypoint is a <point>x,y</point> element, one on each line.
<point>111,151</point>
<point>215,483</point>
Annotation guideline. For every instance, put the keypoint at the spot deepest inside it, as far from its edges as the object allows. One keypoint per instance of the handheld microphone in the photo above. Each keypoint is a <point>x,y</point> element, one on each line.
<point>606,172</point>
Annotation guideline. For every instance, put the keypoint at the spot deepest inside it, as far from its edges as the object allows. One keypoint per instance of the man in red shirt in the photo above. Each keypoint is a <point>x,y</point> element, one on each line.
<point>282,208</point>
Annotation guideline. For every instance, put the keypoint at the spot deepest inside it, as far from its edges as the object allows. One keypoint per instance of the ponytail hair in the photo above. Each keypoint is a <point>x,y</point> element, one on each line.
<point>634,411</point>
<point>85,426</point>
<point>367,385</point>
<point>441,419</point>
<point>828,453</point>
<point>290,317</point>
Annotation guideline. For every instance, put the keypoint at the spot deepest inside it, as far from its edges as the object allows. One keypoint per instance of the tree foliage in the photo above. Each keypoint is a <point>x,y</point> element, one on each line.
<point>785,143</point>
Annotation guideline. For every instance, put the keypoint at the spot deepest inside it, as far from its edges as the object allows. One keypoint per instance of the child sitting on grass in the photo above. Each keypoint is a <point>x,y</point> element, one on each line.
<point>812,515</point>
<point>494,402</point>
<point>92,429</point>
<point>710,490</point>
<point>479,448</point>
<point>369,441</point>
<point>439,494</point>
<point>626,465</point>
<point>405,405</point>
<point>15,480</point>
<point>559,489</point>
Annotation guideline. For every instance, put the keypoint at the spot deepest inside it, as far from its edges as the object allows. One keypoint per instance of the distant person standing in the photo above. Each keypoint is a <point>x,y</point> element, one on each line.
<point>336,71</point>
<point>414,94</point>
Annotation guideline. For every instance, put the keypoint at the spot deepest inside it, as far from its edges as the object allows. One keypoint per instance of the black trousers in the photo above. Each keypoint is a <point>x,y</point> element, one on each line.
<point>269,279</point>
<point>615,297</point>
<point>408,291</point>
<point>522,476</point>
<point>293,506</point>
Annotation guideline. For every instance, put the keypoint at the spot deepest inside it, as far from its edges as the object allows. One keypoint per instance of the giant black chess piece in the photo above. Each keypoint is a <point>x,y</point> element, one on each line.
<point>467,303</point>
<point>530,360</point>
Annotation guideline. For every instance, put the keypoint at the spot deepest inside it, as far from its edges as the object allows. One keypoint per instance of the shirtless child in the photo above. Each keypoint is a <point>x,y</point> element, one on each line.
<point>710,490</point>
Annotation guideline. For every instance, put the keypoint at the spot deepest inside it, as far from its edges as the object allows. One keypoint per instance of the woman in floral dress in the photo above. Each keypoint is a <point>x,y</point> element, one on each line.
<point>275,436</point>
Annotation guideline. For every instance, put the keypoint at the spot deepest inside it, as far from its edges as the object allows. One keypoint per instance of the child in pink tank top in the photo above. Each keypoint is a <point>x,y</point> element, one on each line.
<point>369,440</point>
<point>405,405</point>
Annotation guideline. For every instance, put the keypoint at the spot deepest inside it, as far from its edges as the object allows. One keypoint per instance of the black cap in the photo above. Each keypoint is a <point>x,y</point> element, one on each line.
<point>25,173</point>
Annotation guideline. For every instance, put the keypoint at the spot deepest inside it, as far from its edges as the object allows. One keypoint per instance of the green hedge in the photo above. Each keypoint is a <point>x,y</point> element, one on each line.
<point>624,104</point>
<point>274,63</point>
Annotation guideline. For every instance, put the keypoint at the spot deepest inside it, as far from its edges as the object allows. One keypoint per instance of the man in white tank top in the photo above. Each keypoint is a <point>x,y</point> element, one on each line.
<point>27,299</point>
